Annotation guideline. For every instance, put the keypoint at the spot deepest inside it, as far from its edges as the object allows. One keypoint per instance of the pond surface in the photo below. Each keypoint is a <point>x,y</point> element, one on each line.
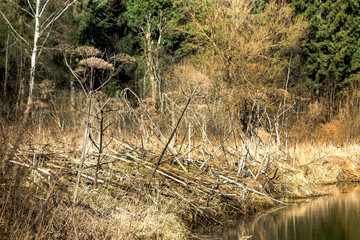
<point>333,217</point>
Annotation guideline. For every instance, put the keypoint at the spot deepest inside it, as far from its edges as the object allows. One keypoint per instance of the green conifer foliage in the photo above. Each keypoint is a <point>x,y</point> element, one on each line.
<point>332,47</point>
<point>168,13</point>
<point>98,24</point>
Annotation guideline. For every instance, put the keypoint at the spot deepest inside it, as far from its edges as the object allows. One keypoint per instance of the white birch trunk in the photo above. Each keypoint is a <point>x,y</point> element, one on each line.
<point>29,105</point>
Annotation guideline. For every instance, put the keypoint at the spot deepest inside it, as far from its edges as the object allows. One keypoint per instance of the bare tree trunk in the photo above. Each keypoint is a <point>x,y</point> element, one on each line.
<point>6,61</point>
<point>189,139</point>
<point>150,67</point>
<point>285,117</point>
<point>30,101</point>
<point>86,136</point>
<point>37,32</point>
<point>20,77</point>
<point>84,147</point>
<point>21,85</point>
<point>152,57</point>
<point>72,92</point>
<point>173,122</point>
<point>101,134</point>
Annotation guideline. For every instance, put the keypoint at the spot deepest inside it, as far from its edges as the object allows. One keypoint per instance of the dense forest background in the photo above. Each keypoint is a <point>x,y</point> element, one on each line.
<point>307,49</point>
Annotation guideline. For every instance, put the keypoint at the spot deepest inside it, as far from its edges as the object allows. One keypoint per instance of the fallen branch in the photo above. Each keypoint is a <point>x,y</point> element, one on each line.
<point>304,165</point>
<point>248,189</point>
<point>92,178</point>
<point>170,146</point>
<point>43,170</point>
<point>112,156</point>
<point>171,136</point>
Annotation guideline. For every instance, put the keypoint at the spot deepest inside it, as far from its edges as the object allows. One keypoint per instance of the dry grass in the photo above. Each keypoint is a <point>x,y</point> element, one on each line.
<point>228,174</point>
<point>98,217</point>
<point>37,206</point>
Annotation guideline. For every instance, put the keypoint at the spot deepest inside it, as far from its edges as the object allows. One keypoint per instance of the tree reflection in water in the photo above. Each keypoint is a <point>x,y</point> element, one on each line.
<point>335,217</point>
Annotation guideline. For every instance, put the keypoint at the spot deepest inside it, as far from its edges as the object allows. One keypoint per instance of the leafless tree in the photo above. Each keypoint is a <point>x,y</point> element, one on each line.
<point>41,29</point>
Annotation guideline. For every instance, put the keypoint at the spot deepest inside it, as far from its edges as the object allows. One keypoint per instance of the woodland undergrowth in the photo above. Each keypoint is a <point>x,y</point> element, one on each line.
<point>161,171</point>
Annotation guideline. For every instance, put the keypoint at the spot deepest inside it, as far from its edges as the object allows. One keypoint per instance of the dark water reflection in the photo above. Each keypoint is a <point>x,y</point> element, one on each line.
<point>335,217</point>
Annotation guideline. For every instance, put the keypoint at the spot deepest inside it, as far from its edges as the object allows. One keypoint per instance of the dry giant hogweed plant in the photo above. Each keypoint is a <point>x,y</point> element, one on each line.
<point>123,57</point>
<point>88,51</point>
<point>96,63</point>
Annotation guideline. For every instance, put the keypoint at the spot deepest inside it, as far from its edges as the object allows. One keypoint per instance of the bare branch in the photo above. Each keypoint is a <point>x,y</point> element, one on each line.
<point>75,75</point>
<point>42,45</point>
<point>172,135</point>
<point>58,15</point>
<point>47,20</point>
<point>248,189</point>
<point>15,32</point>
<point>107,80</point>
<point>43,8</point>
<point>32,9</point>
<point>17,5</point>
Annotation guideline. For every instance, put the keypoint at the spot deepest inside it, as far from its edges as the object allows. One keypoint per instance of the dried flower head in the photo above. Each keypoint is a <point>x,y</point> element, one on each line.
<point>64,47</point>
<point>80,69</point>
<point>96,63</point>
<point>123,57</point>
<point>88,51</point>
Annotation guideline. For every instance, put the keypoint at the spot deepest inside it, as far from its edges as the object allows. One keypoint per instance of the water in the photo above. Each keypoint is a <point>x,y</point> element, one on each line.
<point>334,217</point>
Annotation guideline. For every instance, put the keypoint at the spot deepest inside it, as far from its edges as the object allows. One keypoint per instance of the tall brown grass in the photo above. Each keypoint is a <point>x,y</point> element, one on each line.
<point>34,205</point>
<point>279,155</point>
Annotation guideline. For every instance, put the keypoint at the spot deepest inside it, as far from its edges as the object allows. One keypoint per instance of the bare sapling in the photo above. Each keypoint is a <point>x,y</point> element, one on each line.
<point>172,134</point>
<point>285,116</point>
<point>189,140</point>
<point>151,52</point>
<point>6,75</point>
<point>90,64</point>
<point>100,145</point>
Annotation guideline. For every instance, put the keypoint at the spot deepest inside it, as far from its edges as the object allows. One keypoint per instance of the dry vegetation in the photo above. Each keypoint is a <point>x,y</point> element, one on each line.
<point>227,131</point>
<point>214,169</point>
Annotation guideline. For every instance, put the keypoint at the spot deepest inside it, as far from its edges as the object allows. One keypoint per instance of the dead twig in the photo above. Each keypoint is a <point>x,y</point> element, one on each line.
<point>172,135</point>
<point>304,165</point>
<point>248,189</point>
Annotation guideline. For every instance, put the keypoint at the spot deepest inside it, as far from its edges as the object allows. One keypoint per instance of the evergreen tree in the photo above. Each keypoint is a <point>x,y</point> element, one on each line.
<point>98,24</point>
<point>332,47</point>
<point>167,12</point>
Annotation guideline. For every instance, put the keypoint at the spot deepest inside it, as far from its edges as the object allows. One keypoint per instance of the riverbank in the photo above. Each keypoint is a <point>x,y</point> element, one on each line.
<point>329,217</point>
<point>182,196</point>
